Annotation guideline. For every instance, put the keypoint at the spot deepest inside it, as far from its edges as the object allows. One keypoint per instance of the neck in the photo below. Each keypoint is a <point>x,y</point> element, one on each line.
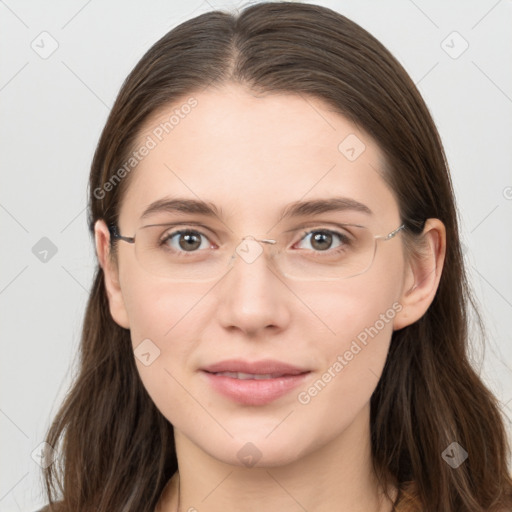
<point>336,476</point>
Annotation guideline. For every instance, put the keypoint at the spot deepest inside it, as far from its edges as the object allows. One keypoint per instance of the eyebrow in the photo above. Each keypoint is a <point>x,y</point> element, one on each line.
<point>295,209</point>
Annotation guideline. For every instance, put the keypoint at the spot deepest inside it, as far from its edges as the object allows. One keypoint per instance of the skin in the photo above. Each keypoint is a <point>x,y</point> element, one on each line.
<point>252,154</point>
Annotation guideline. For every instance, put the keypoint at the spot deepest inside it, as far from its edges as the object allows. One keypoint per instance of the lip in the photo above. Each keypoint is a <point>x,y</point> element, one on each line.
<point>252,391</point>
<point>263,366</point>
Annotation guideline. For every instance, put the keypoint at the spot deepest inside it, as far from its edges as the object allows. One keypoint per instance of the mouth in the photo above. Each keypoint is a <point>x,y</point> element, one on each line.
<point>253,388</point>
<point>255,376</point>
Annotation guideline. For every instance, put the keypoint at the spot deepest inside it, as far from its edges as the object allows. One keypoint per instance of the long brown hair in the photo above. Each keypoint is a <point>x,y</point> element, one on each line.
<point>116,449</point>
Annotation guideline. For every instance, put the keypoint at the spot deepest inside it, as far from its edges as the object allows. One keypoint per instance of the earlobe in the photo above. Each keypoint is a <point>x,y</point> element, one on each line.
<point>110,271</point>
<point>422,275</point>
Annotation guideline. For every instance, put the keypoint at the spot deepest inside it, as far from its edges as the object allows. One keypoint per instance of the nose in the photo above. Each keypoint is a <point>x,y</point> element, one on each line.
<point>252,295</point>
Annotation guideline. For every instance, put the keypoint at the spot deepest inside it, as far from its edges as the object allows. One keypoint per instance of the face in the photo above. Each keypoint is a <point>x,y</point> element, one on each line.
<point>251,156</point>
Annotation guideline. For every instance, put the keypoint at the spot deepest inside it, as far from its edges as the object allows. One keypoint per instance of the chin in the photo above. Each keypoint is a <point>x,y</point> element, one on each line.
<point>257,450</point>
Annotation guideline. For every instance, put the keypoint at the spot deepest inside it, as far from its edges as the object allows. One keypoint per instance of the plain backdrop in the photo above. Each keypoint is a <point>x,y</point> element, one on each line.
<point>61,66</point>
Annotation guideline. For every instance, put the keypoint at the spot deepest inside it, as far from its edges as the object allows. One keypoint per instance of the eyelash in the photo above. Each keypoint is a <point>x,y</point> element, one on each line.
<point>344,239</point>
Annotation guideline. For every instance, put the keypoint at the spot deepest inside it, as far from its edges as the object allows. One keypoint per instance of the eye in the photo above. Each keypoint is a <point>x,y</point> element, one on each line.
<point>186,240</point>
<point>322,239</point>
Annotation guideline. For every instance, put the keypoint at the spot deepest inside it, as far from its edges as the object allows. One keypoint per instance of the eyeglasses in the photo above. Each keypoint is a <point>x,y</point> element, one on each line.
<point>187,254</point>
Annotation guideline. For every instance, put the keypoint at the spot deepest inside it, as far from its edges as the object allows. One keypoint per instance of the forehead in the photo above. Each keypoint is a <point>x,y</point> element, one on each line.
<point>252,154</point>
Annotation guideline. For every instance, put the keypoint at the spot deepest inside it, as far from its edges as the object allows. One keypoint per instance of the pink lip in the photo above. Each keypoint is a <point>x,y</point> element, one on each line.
<point>252,391</point>
<point>258,367</point>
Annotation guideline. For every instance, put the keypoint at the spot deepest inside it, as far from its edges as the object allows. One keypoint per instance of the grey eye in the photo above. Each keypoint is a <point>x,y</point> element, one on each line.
<point>322,239</point>
<point>188,240</point>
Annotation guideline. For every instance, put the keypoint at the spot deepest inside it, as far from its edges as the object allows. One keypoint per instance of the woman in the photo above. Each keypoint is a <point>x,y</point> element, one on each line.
<point>278,319</point>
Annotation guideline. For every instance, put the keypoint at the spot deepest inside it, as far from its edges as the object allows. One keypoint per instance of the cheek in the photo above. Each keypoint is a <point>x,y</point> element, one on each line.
<point>161,310</point>
<point>353,307</point>
<point>358,319</point>
<point>353,360</point>
<point>165,329</point>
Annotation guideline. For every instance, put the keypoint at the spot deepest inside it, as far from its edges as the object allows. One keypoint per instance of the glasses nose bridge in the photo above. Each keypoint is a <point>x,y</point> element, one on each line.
<point>268,241</point>
<point>263,240</point>
<point>250,252</point>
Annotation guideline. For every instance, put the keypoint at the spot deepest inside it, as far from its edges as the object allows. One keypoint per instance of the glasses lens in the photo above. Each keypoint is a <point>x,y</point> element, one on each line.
<point>185,254</point>
<point>330,255</point>
<point>179,254</point>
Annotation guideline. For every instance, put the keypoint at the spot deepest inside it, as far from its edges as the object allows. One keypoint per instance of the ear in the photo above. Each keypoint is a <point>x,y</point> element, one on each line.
<point>110,270</point>
<point>422,275</point>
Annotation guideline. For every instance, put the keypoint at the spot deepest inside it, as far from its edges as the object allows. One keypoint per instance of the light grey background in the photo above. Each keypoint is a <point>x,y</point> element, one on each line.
<point>52,112</point>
